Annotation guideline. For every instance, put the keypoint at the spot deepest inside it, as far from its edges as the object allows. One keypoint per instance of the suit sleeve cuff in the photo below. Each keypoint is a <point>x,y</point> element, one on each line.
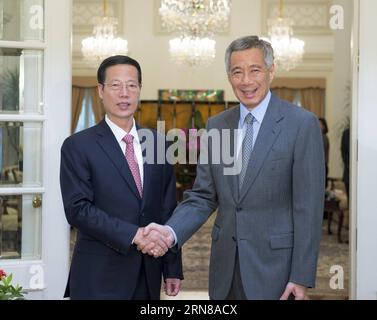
<point>174,235</point>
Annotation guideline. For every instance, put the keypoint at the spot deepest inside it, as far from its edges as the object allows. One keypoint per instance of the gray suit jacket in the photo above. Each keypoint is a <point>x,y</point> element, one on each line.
<point>275,219</point>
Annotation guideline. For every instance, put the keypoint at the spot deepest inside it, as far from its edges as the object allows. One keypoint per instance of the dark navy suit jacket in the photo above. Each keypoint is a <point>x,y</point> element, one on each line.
<point>101,200</point>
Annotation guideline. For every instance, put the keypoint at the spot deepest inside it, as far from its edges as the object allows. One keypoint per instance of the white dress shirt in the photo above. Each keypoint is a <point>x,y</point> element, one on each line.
<point>258,113</point>
<point>119,134</point>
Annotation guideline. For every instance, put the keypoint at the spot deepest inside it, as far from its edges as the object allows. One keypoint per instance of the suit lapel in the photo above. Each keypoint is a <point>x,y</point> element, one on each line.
<point>147,168</point>
<point>232,121</point>
<point>267,135</point>
<point>111,148</point>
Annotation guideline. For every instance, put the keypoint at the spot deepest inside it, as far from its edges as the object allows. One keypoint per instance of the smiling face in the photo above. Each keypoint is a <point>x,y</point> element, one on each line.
<point>120,101</point>
<point>249,76</point>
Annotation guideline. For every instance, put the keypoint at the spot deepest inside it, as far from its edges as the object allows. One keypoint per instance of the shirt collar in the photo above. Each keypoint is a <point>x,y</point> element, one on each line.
<point>258,112</point>
<point>119,133</point>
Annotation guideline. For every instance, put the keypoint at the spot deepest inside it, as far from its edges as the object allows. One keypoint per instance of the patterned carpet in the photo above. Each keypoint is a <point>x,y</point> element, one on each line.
<point>196,253</point>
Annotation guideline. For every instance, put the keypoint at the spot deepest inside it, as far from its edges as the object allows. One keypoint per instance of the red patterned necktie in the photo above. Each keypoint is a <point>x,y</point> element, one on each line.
<point>132,162</point>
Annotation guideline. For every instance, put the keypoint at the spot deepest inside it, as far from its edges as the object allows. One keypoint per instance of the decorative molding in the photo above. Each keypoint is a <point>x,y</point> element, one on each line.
<point>311,17</point>
<point>299,83</point>
<point>83,12</point>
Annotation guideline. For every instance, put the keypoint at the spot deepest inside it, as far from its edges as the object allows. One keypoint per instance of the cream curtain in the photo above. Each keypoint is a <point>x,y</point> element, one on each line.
<point>77,99</point>
<point>79,85</point>
<point>313,99</point>
<point>312,92</point>
<point>97,106</point>
<point>299,83</point>
<point>285,93</point>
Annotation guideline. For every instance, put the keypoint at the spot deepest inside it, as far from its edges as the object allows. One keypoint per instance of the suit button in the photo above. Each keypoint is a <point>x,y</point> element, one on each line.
<point>238,209</point>
<point>142,214</point>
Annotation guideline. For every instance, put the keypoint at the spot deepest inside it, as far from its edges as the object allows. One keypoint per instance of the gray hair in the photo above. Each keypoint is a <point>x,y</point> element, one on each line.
<point>250,42</point>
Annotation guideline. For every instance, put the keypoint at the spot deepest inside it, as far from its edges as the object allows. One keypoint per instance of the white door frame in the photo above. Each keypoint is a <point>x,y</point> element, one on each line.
<point>363,257</point>
<point>353,152</point>
<point>57,89</point>
<point>46,278</point>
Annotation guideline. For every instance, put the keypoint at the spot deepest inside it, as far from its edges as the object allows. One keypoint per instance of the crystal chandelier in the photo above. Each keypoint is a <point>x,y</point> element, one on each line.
<point>288,50</point>
<point>195,17</point>
<point>104,43</point>
<point>196,22</point>
<point>192,51</point>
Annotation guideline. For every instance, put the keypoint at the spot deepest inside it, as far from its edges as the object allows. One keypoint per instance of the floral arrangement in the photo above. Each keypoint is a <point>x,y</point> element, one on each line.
<point>8,291</point>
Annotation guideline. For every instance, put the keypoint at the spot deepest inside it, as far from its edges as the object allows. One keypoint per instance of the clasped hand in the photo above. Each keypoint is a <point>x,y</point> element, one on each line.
<point>154,239</point>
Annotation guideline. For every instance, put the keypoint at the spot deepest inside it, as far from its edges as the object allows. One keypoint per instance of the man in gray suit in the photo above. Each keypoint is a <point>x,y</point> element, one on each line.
<point>266,235</point>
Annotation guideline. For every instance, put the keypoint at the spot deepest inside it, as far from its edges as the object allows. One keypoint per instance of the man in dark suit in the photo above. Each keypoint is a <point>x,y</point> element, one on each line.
<point>109,195</point>
<point>266,235</point>
<point>345,150</point>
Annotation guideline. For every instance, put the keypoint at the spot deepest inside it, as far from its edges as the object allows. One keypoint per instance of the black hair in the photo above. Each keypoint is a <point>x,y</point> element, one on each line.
<point>250,42</point>
<point>113,61</point>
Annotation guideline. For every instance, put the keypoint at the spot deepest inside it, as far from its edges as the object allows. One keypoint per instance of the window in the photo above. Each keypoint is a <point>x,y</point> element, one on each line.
<point>21,127</point>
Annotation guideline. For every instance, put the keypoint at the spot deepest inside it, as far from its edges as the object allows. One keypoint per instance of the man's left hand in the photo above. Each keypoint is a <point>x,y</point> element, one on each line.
<point>298,291</point>
<point>172,286</point>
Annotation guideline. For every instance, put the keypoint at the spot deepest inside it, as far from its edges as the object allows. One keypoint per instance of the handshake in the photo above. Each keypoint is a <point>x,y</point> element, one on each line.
<point>154,239</point>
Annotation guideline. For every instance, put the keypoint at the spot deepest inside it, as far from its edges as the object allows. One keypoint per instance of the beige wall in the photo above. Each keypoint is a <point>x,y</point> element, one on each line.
<point>325,57</point>
<point>150,47</point>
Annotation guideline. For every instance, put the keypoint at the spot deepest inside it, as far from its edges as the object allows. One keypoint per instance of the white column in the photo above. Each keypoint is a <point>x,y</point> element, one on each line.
<point>58,87</point>
<point>365,137</point>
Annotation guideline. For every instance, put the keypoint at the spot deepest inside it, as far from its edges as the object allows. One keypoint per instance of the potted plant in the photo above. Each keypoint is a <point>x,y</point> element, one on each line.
<point>7,290</point>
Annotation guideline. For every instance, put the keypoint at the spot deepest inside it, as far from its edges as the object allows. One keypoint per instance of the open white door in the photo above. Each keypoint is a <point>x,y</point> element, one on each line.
<point>364,155</point>
<point>35,104</point>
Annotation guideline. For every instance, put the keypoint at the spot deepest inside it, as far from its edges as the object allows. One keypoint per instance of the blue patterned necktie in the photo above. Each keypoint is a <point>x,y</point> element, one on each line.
<point>247,147</point>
